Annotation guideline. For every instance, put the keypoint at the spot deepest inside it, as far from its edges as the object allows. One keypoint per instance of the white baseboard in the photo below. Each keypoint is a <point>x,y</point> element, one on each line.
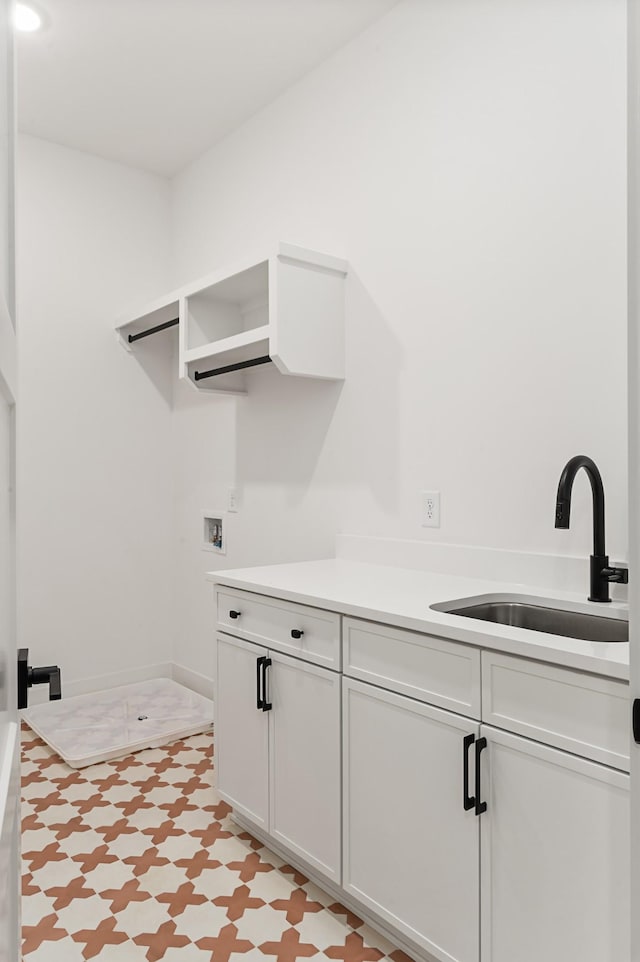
<point>194,680</point>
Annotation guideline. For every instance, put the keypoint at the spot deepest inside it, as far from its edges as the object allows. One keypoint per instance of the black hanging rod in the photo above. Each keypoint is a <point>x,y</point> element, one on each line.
<point>153,330</point>
<point>199,375</point>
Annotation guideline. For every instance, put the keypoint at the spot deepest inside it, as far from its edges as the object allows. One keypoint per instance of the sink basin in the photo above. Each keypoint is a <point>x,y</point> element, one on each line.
<point>537,616</point>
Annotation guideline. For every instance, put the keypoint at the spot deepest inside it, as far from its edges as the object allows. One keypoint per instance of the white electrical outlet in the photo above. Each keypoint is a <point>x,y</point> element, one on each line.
<point>430,509</point>
<point>232,499</point>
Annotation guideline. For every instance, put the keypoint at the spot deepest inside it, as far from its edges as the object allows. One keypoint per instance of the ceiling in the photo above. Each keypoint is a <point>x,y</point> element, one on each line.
<point>154,83</point>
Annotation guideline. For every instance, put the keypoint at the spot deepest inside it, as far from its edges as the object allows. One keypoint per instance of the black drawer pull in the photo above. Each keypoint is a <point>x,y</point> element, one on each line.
<point>468,801</point>
<point>481,807</point>
<point>296,633</point>
<point>234,614</point>
<point>259,691</point>
<point>266,705</point>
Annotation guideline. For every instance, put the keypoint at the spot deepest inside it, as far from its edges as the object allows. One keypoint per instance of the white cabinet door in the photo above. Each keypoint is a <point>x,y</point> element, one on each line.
<point>411,851</point>
<point>304,761</point>
<point>555,855</point>
<point>241,730</point>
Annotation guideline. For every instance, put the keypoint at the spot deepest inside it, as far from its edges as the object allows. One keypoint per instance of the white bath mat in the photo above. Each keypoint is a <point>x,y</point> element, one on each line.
<point>93,728</point>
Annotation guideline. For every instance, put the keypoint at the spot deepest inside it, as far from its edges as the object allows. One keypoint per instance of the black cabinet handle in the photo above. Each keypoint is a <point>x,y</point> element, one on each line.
<point>296,633</point>
<point>266,705</point>
<point>234,614</point>
<point>635,718</point>
<point>259,669</point>
<point>481,807</point>
<point>468,801</point>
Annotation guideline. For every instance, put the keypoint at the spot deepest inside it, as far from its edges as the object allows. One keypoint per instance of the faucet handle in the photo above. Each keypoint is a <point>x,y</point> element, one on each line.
<point>618,575</point>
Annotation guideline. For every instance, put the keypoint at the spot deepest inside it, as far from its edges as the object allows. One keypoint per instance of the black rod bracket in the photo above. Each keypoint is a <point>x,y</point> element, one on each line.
<point>240,366</point>
<point>153,330</point>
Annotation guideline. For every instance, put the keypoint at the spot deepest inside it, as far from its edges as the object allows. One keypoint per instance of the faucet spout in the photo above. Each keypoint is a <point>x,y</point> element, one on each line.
<point>600,573</point>
<point>563,500</point>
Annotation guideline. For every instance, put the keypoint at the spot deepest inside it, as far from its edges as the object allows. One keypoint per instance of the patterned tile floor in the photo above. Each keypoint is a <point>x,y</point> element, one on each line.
<point>137,859</point>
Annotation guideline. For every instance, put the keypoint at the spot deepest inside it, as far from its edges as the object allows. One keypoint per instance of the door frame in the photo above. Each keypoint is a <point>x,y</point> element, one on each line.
<point>633,359</point>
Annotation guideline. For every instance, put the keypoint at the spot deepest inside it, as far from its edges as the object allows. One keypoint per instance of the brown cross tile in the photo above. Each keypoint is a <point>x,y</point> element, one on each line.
<point>223,945</point>
<point>148,784</point>
<point>111,832</point>
<point>47,801</point>
<point>162,832</point>
<point>65,829</point>
<point>142,863</point>
<point>120,898</point>
<point>163,765</point>
<point>249,867</point>
<point>178,806</point>
<point>90,860</point>
<point>176,748</point>
<point>352,920</point>
<point>219,811</point>
<point>178,901</point>
<point>66,781</point>
<point>353,950</point>
<point>30,823</point>
<point>111,781</point>
<point>33,743</point>
<point>254,844</point>
<point>65,894</point>
<point>296,906</point>
<point>203,767</point>
<point>192,785</point>
<point>289,948</point>
<point>239,902</point>
<point>96,939</point>
<point>209,835</point>
<point>399,956</point>
<point>45,931</point>
<point>32,778</point>
<point>27,887</point>
<point>196,865</point>
<point>158,942</point>
<point>133,805</point>
<point>123,764</point>
<point>296,876</point>
<point>47,761</point>
<point>206,749</point>
<point>85,805</point>
<point>38,858</point>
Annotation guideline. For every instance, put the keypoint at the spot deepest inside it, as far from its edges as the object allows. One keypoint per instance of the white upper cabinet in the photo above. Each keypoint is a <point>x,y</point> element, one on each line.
<point>285,307</point>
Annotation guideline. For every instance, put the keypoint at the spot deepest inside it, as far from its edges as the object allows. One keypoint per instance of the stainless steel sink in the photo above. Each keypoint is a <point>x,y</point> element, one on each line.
<point>538,617</point>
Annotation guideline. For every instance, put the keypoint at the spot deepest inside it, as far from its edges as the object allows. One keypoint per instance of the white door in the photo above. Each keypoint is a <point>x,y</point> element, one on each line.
<point>9,731</point>
<point>554,855</point>
<point>241,729</point>
<point>305,761</point>
<point>411,850</point>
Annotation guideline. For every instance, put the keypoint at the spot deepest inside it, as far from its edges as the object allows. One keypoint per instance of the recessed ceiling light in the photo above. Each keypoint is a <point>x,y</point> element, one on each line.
<point>26,18</point>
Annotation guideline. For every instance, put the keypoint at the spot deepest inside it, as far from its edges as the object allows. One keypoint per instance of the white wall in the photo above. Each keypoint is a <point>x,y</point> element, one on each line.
<point>468,159</point>
<point>94,463</point>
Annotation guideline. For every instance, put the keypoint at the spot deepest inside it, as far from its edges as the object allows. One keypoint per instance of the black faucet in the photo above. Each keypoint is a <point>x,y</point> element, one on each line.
<point>600,572</point>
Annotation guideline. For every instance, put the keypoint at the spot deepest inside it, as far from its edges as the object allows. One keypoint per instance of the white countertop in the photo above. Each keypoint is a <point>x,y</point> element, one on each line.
<point>402,597</point>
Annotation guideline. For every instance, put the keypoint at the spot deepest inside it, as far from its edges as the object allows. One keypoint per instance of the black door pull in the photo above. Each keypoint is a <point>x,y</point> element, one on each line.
<point>266,705</point>
<point>636,720</point>
<point>234,614</point>
<point>481,807</point>
<point>468,801</point>
<point>259,696</point>
<point>296,633</point>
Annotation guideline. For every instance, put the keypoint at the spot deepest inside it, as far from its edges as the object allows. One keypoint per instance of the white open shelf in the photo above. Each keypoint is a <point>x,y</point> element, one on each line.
<point>286,305</point>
